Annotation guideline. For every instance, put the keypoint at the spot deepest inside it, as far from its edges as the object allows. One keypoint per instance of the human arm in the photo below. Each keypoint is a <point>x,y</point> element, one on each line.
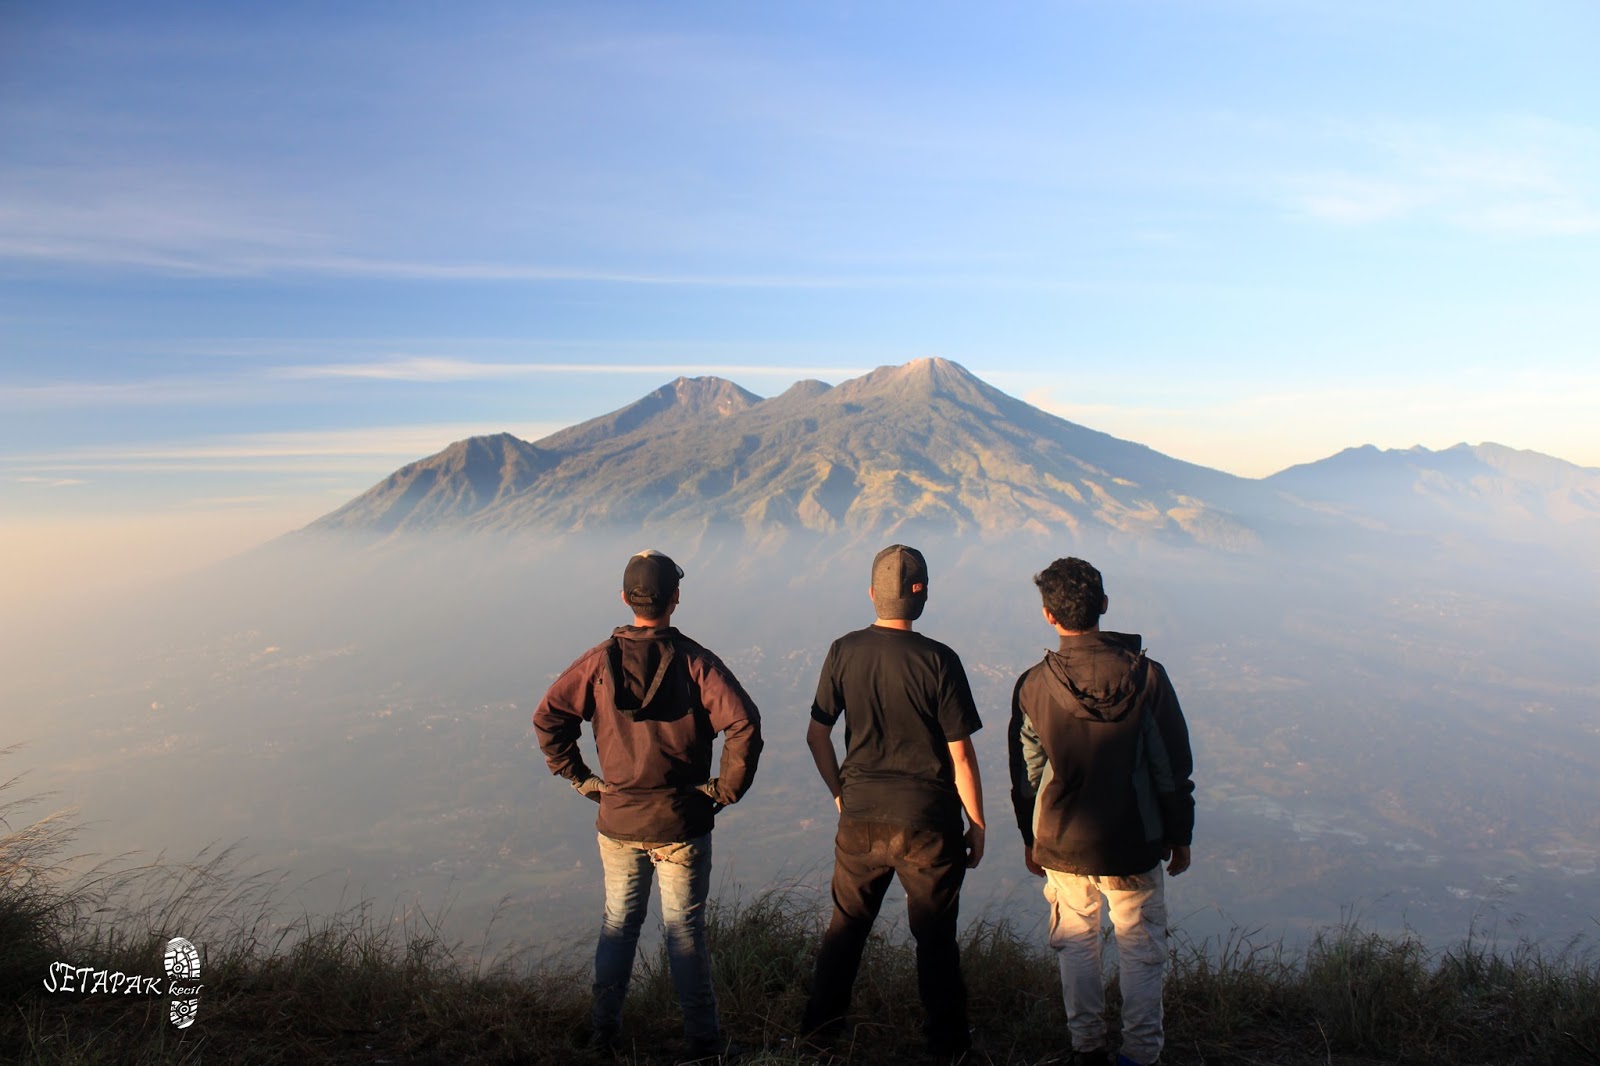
<point>969,785</point>
<point>958,718</point>
<point>819,738</point>
<point>1177,806</point>
<point>1028,765</point>
<point>558,723</point>
<point>826,709</point>
<point>1179,861</point>
<point>733,714</point>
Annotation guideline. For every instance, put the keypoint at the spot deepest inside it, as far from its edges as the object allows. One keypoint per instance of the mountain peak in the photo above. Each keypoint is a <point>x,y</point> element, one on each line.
<point>682,401</point>
<point>707,394</point>
<point>463,479</point>
<point>919,379</point>
<point>807,389</point>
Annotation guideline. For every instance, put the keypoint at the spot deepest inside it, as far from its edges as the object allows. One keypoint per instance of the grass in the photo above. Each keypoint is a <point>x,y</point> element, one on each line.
<point>366,986</point>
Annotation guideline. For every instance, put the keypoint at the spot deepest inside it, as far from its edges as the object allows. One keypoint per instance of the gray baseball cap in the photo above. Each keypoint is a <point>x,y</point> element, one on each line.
<point>899,583</point>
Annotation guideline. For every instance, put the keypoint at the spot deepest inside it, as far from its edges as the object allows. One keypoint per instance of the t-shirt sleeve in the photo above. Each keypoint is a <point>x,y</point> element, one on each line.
<point>829,702</point>
<point>958,713</point>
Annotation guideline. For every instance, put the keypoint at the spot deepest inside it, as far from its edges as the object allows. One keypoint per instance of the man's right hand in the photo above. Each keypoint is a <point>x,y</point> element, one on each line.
<point>974,843</point>
<point>1179,863</point>
<point>593,787</point>
<point>1027,860</point>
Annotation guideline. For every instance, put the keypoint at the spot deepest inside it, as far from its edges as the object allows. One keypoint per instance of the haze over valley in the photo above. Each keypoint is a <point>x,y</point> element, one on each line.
<point>1387,658</point>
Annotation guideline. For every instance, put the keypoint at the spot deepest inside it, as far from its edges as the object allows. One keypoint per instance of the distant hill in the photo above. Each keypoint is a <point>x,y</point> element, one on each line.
<point>1485,487</point>
<point>924,444</point>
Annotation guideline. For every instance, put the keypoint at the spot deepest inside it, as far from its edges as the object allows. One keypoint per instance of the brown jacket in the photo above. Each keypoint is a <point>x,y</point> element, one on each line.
<point>655,699</point>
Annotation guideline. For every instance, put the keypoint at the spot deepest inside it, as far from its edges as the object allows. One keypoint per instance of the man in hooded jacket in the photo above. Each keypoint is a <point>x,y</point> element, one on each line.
<point>1100,775</point>
<point>655,700</point>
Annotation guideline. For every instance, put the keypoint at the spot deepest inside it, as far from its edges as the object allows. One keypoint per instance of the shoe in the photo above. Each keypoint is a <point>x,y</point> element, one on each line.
<point>820,1047</point>
<point>605,1040</point>
<point>1097,1056</point>
<point>709,1052</point>
<point>1123,1060</point>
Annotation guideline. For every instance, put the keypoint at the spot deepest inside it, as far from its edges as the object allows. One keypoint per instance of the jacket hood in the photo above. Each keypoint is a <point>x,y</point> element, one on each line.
<point>1100,673</point>
<point>637,661</point>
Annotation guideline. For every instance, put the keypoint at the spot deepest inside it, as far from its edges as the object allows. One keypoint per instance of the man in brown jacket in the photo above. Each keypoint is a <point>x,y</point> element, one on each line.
<point>655,699</point>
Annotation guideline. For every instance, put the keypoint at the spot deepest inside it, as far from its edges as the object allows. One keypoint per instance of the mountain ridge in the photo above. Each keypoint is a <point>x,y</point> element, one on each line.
<point>929,444</point>
<point>925,442</point>
<point>1516,493</point>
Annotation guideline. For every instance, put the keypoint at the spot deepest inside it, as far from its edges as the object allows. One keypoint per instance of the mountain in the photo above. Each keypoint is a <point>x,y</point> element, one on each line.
<point>925,444</point>
<point>1522,495</point>
<point>684,403</point>
<point>465,479</point>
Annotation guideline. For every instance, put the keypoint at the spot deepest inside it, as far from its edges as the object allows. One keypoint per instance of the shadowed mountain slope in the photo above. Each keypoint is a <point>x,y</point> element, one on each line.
<point>926,444</point>
<point>463,480</point>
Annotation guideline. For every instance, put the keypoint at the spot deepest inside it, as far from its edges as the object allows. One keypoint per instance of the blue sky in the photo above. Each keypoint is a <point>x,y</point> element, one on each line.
<point>253,257</point>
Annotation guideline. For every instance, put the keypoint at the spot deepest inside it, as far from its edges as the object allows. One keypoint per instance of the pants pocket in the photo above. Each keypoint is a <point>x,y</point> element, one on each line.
<point>1133,882</point>
<point>853,837</point>
<point>686,853</point>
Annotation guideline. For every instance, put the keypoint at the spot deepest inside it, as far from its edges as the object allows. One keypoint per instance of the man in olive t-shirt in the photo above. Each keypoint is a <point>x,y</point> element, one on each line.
<point>909,773</point>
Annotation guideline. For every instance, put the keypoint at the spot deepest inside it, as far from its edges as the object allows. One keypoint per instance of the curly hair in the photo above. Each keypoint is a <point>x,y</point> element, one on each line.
<point>1073,593</point>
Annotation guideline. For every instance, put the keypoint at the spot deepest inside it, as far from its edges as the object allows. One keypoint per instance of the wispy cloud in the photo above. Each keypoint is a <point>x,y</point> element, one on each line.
<point>1561,216</point>
<point>207,503</point>
<point>269,384</point>
<point>150,393</point>
<point>1353,201</point>
<point>144,217</point>
<point>415,270</point>
<point>340,450</point>
<point>50,482</point>
<point>440,369</point>
<point>1525,177</point>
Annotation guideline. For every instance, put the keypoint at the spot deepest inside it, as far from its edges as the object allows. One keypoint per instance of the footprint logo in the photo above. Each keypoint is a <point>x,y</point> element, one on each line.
<point>183,979</point>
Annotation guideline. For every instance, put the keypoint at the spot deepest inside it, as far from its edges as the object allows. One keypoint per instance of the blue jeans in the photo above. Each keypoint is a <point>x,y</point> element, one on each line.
<point>685,870</point>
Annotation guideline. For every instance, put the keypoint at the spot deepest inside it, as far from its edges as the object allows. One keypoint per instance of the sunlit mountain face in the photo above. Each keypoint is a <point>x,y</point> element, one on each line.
<point>926,444</point>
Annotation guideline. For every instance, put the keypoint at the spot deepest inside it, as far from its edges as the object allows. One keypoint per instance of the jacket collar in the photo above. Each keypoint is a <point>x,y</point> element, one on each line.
<point>1102,638</point>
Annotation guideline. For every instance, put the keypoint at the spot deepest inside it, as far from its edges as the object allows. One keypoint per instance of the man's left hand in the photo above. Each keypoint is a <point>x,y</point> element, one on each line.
<point>710,790</point>
<point>1180,860</point>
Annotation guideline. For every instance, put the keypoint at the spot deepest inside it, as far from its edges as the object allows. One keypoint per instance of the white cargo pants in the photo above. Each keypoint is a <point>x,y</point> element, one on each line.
<point>1139,919</point>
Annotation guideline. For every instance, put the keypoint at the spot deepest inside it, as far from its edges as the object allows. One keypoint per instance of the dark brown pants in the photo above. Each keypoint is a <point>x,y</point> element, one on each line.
<point>931,866</point>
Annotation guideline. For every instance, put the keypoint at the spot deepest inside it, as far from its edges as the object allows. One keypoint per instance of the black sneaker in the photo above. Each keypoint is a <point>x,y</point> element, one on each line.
<point>712,1052</point>
<point>951,1052</point>
<point>604,1041</point>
